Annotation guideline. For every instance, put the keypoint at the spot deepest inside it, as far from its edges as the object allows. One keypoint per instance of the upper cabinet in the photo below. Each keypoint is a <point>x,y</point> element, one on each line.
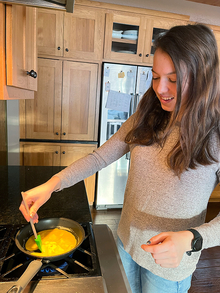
<point>18,55</point>
<point>21,47</point>
<point>73,35</point>
<point>50,32</point>
<point>129,37</point>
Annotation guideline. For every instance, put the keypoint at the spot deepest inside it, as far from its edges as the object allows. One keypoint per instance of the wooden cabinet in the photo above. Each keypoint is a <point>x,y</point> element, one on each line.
<point>17,51</point>
<point>50,32</point>
<point>73,35</point>
<point>65,104</point>
<point>21,47</point>
<point>129,37</point>
<point>57,154</point>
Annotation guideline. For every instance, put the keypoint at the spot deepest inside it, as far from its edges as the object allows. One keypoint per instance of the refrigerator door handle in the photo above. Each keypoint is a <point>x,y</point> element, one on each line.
<point>127,156</point>
<point>131,110</point>
<point>136,102</point>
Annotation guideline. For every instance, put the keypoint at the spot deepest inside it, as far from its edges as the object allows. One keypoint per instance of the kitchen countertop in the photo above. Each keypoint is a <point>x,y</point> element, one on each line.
<point>70,202</point>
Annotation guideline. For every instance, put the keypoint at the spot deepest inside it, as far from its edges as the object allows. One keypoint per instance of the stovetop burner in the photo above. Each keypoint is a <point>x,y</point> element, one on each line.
<point>83,262</point>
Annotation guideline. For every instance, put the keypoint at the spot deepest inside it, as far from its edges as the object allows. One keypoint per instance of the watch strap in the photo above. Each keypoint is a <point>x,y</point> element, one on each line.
<point>197,235</point>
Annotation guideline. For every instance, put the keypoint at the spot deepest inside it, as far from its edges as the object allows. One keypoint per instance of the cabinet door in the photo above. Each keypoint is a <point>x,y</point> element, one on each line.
<point>154,27</point>
<point>43,114</point>
<point>73,152</point>
<point>124,37</point>
<point>21,46</point>
<point>84,33</point>
<point>79,100</point>
<point>50,32</point>
<point>40,155</point>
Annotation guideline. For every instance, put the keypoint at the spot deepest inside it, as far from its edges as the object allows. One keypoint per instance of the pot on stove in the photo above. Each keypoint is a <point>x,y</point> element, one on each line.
<point>25,233</point>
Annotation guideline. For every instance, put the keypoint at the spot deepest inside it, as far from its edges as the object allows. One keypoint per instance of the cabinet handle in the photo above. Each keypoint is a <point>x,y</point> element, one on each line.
<point>64,152</point>
<point>64,133</point>
<point>67,50</point>
<point>147,55</point>
<point>140,55</point>
<point>32,73</point>
<point>56,152</point>
<point>57,133</point>
<point>58,48</point>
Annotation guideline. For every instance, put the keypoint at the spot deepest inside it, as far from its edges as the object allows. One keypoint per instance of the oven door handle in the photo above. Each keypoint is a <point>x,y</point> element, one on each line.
<point>27,276</point>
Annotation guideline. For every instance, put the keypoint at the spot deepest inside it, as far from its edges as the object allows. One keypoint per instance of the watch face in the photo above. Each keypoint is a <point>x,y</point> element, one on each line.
<point>197,245</point>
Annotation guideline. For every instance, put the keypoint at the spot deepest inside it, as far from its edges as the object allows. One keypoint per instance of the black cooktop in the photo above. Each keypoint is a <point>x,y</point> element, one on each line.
<point>83,262</point>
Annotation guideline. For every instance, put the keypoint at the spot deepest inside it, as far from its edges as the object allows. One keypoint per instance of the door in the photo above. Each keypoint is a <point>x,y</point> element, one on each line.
<point>84,33</point>
<point>40,155</point>
<point>79,100</point>
<point>50,32</point>
<point>119,82</point>
<point>124,37</point>
<point>144,80</point>
<point>21,46</point>
<point>43,114</point>
<point>155,27</point>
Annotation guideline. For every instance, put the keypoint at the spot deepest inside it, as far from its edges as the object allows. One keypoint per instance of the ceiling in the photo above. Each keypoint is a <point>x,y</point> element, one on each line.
<point>208,2</point>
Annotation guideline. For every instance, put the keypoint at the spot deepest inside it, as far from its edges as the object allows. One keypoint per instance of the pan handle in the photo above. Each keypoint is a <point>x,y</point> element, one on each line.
<point>29,273</point>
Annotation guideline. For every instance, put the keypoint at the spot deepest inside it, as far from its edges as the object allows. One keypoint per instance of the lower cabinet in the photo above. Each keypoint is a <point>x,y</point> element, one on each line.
<point>57,154</point>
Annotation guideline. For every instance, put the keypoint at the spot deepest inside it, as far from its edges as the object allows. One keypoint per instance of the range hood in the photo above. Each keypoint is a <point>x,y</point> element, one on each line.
<point>66,5</point>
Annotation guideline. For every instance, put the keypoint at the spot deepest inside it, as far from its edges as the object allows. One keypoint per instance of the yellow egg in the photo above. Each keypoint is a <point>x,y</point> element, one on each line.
<point>54,242</point>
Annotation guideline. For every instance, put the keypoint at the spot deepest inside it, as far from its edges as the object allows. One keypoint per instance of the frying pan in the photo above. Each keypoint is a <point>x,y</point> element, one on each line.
<point>25,233</point>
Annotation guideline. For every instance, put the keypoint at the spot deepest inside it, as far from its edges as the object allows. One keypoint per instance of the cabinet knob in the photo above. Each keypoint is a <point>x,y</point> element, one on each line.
<point>147,55</point>
<point>64,152</point>
<point>64,133</point>
<point>57,133</point>
<point>67,50</point>
<point>56,152</point>
<point>140,55</point>
<point>58,48</point>
<point>32,73</point>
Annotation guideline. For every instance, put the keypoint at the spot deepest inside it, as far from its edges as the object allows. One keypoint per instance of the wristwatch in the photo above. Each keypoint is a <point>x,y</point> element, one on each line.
<point>196,244</point>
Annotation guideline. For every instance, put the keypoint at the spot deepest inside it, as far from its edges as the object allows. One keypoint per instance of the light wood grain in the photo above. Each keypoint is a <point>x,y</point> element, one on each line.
<point>208,2</point>
<point>73,152</point>
<point>57,154</point>
<point>43,114</point>
<point>50,32</point>
<point>145,26</point>
<point>84,33</point>
<point>7,92</point>
<point>21,54</point>
<point>79,100</point>
<point>132,9</point>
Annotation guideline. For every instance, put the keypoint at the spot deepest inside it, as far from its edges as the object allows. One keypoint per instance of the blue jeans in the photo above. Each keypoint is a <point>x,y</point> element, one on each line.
<point>143,281</point>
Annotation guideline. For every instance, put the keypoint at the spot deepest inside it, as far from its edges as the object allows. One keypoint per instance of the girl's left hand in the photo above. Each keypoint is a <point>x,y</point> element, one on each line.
<point>167,248</point>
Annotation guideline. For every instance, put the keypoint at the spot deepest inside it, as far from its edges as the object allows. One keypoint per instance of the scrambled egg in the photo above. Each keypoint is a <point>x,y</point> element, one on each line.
<point>54,242</point>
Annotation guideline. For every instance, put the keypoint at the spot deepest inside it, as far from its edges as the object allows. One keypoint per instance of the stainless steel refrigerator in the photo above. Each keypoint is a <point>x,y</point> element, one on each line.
<point>122,88</point>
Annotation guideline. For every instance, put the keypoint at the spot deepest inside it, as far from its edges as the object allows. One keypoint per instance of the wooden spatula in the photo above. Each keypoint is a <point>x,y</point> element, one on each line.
<point>37,237</point>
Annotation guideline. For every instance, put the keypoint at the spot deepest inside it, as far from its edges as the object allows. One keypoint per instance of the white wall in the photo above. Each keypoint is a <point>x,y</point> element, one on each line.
<point>198,12</point>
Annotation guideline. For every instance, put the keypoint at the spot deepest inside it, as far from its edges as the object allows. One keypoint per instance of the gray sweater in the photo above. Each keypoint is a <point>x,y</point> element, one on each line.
<point>155,199</point>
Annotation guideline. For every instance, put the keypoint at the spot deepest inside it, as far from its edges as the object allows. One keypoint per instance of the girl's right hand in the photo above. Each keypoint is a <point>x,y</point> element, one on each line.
<point>37,196</point>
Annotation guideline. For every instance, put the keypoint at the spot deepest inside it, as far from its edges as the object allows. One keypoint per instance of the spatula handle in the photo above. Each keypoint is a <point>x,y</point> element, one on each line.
<point>31,220</point>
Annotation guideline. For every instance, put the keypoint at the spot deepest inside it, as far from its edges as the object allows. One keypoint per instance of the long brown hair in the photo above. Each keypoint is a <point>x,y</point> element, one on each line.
<point>192,47</point>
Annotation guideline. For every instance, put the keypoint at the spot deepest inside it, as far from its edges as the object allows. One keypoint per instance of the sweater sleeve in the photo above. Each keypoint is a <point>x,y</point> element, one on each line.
<point>109,152</point>
<point>210,231</point>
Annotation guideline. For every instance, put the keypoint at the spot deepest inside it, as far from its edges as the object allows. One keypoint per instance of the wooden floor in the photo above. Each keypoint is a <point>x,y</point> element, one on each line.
<point>206,278</point>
